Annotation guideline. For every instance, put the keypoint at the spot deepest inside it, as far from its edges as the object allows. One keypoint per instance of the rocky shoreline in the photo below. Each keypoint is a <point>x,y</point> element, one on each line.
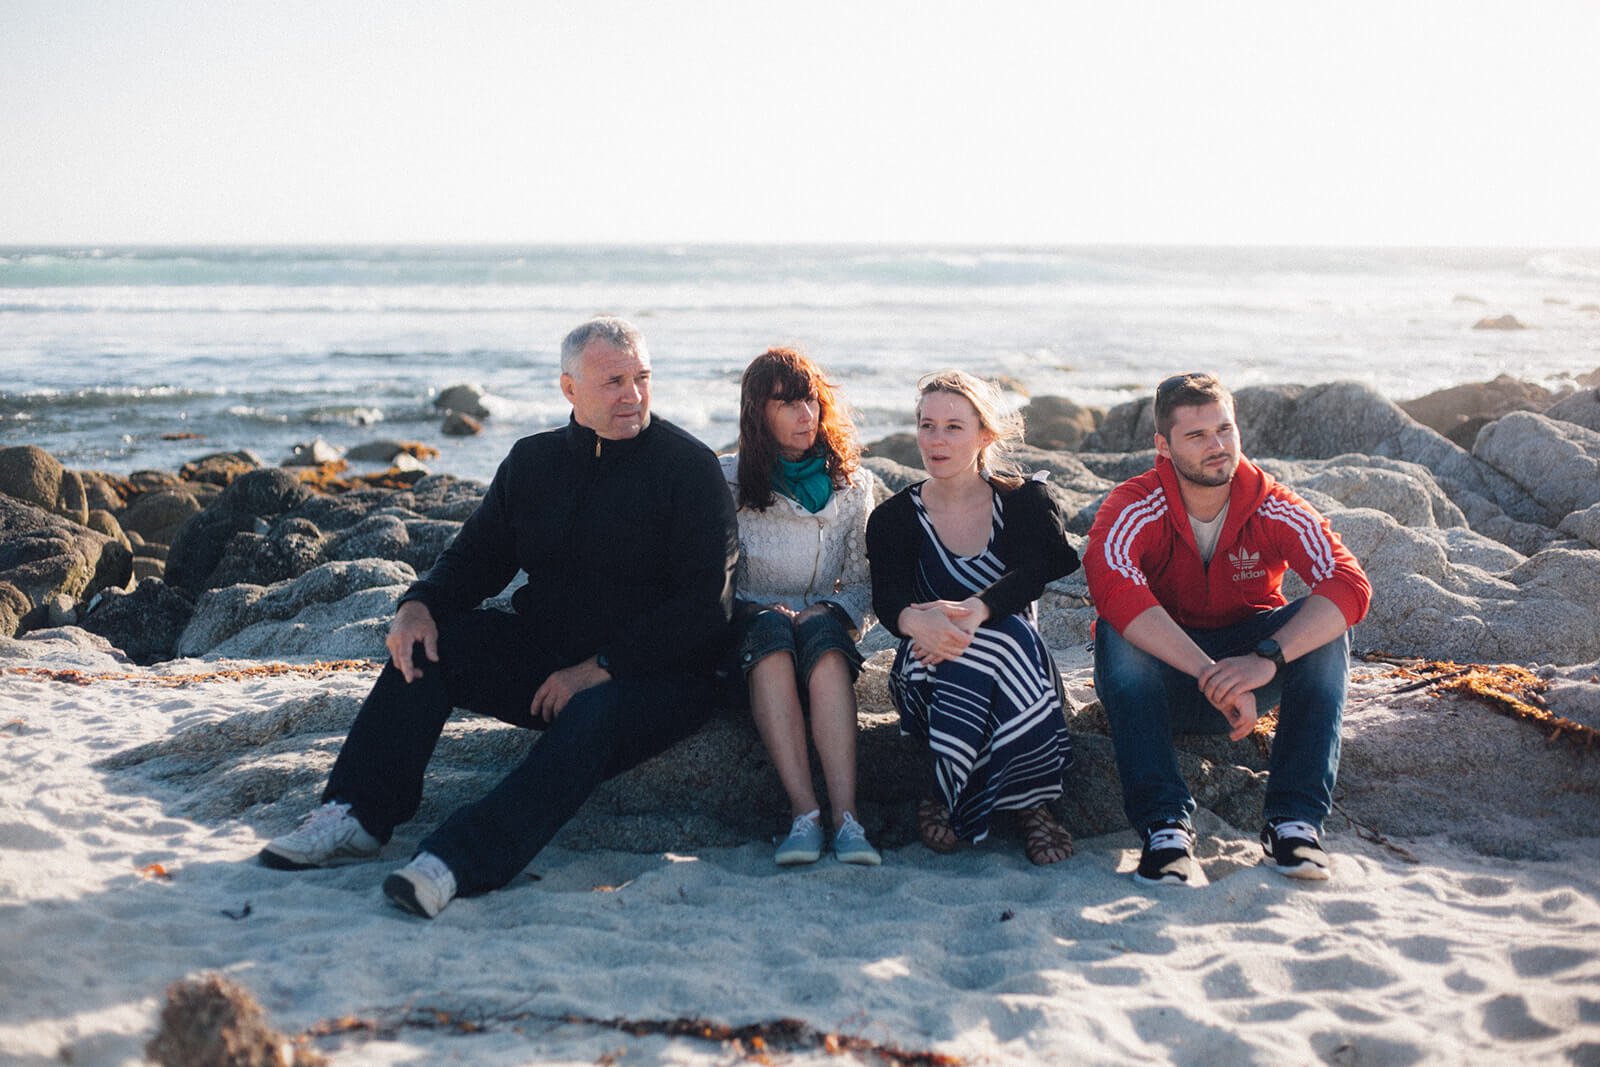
<point>1486,554</point>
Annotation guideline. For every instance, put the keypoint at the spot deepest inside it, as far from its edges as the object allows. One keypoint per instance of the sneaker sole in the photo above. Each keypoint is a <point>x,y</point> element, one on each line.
<point>279,862</point>
<point>797,859</point>
<point>403,895</point>
<point>1172,880</point>
<point>1304,872</point>
<point>865,859</point>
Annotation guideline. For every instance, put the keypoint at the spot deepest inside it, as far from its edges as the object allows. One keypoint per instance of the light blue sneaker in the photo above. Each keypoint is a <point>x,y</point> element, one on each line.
<point>804,843</point>
<point>850,843</point>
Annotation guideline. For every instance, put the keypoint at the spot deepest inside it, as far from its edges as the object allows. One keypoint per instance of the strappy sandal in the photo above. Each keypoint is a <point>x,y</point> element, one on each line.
<point>933,826</point>
<point>1045,840</point>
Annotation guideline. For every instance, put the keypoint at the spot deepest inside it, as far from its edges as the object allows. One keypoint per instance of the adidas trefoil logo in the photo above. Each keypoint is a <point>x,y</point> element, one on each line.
<point>1246,564</point>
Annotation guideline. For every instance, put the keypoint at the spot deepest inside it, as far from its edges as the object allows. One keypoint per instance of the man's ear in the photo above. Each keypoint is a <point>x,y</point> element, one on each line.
<point>1162,447</point>
<point>568,386</point>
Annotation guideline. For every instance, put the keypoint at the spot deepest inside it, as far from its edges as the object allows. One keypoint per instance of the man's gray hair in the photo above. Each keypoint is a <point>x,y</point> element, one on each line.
<point>619,333</point>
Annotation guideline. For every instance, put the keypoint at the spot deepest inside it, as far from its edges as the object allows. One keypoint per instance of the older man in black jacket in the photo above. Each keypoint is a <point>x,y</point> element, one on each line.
<point>627,534</point>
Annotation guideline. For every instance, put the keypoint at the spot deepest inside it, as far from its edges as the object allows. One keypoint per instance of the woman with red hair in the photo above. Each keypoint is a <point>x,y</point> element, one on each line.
<point>804,590</point>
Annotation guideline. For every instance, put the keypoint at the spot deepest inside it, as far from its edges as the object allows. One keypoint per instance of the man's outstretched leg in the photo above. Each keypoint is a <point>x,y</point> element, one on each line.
<point>601,732</point>
<point>376,783</point>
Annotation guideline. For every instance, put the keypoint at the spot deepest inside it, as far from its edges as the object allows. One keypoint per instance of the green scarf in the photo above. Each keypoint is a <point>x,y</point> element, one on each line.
<point>805,481</point>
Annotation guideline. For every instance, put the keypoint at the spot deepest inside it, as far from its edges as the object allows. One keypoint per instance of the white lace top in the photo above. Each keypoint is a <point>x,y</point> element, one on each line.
<point>788,555</point>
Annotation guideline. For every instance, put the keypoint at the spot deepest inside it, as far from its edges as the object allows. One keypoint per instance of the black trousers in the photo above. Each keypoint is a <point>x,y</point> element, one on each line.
<point>489,663</point>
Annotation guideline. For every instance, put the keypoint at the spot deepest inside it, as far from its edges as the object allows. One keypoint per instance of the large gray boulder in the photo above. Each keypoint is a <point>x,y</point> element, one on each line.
<point>1556,462</point>
<point>1322,421</point>
<point>396,534</point>
<point>1402,490</point>
<point>1581,408</point>
<point>43,556</point>
<point>1583,525</point>
<point>267,766</point>
<point>1432,598</point>
<point>1406,756</point>
<point>337,610</point>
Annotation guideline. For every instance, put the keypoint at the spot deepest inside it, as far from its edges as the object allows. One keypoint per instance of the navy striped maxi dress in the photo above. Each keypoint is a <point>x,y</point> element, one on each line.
<point>992,717</point>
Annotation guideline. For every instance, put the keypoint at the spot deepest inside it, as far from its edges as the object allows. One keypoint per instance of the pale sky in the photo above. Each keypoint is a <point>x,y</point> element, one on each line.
<point>995,122</point>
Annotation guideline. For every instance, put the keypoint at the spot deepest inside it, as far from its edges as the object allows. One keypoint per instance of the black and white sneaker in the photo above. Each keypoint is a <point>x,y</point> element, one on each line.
<point>1168,855</point>
<point>1293,847</point>
<point>423,887</point>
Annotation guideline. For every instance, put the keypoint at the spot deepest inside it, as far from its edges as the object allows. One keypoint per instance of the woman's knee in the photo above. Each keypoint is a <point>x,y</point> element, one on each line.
<point>823,648</point>
<point>761,635</point>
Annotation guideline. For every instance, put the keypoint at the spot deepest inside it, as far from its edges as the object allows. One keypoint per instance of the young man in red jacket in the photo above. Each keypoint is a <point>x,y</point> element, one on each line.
<point>1185,564</point>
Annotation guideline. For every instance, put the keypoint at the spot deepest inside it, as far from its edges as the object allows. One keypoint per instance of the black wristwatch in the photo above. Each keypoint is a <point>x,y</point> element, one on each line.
<point>602,661</point>
<point>1270,649</point>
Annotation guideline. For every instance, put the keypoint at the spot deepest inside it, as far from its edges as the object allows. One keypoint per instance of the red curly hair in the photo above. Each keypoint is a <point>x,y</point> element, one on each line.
<point>785,374</point>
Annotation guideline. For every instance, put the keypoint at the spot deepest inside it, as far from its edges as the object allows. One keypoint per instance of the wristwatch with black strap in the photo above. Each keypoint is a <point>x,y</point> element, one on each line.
<point>1269,649</point>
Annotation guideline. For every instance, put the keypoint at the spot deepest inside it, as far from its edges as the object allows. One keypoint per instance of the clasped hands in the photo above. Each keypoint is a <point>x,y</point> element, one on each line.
<point>942,629</point>
<point>798,617</point>
<point>1230,685</point>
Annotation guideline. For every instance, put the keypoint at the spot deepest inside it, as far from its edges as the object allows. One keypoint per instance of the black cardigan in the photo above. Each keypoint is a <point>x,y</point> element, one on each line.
<point>1033,544</point>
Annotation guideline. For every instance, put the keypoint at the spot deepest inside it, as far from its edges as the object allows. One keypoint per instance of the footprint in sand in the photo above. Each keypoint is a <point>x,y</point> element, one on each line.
<point>25,838</point>
<point>1542,960</point>
<point>1507,1018</point>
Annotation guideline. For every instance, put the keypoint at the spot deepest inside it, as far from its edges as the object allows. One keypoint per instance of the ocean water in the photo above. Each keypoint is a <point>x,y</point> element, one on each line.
<point>105,351</point>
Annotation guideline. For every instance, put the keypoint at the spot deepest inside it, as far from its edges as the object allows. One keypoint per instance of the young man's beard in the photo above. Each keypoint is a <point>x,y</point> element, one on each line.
<point>1197,473</point>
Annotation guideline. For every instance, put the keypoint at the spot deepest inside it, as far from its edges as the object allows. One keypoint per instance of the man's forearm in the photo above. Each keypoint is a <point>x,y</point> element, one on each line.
<point>1155,632</point>
<point>1318,621</point>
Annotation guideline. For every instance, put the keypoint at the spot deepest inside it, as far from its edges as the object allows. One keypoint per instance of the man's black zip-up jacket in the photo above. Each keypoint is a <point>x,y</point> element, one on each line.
<point>629,547</point>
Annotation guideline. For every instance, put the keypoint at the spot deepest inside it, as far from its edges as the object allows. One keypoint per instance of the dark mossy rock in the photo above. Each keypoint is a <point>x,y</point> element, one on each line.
<point>144,623</point>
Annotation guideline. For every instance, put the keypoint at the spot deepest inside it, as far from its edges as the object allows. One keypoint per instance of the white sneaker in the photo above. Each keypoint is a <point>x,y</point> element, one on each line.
<point>423,887</point>
<point>327,836</point>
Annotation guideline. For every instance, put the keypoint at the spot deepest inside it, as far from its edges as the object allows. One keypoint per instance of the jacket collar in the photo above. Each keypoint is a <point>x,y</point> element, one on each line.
<point>588,445</point>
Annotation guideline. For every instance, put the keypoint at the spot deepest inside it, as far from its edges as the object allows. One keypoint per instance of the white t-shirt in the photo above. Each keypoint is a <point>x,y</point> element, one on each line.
<point>1206,534</point>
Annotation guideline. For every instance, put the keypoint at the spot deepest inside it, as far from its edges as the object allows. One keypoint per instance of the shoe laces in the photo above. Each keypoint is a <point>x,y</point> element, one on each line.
<point>1298,829</point>
<point>1170,837</point>
<point>804,824</point>
<point>326,820</point>
<point>849,829</point>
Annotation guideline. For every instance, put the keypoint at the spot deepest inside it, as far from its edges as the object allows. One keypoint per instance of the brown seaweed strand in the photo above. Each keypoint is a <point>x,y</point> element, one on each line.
<point>753,1042</point>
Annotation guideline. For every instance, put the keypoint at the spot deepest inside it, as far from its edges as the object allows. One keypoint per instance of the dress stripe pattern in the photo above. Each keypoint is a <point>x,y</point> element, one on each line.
<point>992,717</point>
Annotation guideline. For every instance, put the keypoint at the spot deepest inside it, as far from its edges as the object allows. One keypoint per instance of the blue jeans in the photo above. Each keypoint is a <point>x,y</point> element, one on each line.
<point>1146,701</point>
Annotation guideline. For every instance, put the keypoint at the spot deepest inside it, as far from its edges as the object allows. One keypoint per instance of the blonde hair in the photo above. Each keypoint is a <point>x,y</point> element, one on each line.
<point>994,459</point>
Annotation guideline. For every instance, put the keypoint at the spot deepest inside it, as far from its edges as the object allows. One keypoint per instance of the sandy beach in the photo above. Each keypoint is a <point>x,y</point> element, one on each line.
<point>109,894</point>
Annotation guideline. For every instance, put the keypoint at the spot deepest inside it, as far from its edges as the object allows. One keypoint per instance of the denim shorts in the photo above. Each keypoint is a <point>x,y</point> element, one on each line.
<point>761,632</point>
